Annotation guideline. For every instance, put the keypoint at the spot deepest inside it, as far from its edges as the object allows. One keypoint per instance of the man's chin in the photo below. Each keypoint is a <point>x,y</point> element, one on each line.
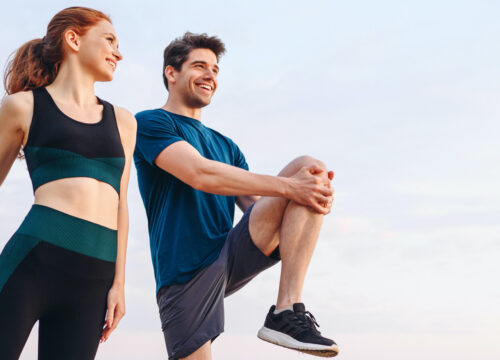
<point>200,103</point>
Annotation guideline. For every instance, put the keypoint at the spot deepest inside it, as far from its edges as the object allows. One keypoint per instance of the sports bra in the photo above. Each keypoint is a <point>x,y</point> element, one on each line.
<point>60,147</point>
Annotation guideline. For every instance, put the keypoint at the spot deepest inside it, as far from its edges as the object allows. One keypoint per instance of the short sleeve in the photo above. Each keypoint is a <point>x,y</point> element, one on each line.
<point>155,132</point>
<point>239,158</point>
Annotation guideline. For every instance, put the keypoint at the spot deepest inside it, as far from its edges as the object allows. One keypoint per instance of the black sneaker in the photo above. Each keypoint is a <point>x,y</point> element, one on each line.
<point>297,330</point>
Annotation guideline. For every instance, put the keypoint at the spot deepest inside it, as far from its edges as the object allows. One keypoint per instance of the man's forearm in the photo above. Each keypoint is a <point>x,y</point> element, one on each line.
<point>222,179</point>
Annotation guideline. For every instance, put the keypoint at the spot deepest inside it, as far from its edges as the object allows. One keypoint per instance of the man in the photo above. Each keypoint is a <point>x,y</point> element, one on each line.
<point>190,178</point>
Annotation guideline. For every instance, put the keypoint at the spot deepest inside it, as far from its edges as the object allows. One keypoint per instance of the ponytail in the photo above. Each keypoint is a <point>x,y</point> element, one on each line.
<point>29,69</point>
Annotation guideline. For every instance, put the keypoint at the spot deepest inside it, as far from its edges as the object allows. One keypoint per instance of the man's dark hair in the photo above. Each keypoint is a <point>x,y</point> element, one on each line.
<point>177,52</point>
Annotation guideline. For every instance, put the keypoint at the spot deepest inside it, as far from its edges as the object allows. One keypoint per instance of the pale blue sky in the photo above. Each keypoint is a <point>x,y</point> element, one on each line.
<point>400,99</point>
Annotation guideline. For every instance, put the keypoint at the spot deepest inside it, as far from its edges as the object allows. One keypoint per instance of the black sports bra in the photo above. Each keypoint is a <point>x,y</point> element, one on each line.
<point>60,147</point>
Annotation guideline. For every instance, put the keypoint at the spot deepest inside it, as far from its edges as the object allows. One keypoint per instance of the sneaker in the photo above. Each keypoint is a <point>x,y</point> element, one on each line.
<point>297,330</point>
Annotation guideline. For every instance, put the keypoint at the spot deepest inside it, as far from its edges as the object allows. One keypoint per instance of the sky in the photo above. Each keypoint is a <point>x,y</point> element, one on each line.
<point>400,99</point>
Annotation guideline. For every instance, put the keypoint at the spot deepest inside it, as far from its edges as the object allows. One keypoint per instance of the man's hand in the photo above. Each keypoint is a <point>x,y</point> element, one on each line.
<point>311,186</point>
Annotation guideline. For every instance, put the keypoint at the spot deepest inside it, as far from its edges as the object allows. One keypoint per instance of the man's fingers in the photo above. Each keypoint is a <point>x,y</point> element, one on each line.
<point>322,200</point>
<point>326,191</point>
<point>320,207</point>
<point>322,210</point>
<point>322,204</point>
<point>315,170</point>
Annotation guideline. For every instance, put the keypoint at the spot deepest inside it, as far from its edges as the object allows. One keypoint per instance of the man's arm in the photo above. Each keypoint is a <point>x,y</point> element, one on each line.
<point>185,163</point>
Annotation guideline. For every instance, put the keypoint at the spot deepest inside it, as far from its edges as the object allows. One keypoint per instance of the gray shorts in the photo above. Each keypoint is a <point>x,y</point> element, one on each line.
<point>192,313</point>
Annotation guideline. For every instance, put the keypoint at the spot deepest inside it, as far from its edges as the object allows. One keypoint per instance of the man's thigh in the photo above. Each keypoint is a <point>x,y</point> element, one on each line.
<point>265,222</point>
<point>244,259</point>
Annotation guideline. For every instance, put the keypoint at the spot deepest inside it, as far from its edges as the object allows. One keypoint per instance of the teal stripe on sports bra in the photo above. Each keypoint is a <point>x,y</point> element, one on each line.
<point>48,164</point>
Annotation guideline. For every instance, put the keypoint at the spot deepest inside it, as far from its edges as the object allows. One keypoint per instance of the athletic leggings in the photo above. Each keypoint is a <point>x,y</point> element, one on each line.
<point>56,269</point>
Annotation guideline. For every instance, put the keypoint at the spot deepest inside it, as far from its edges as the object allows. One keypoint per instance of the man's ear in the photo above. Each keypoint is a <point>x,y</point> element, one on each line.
<point>72,39</point>
<point>170,74</point>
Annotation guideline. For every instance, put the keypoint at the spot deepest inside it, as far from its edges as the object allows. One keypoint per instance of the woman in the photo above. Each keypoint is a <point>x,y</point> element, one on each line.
<point>65,264</point>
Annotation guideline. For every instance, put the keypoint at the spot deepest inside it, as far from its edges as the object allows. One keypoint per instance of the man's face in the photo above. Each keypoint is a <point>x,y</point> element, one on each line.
<point>196,82</point>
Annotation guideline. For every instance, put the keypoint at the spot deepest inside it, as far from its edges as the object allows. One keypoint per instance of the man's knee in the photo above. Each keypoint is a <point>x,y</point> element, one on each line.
<point>303,161</point>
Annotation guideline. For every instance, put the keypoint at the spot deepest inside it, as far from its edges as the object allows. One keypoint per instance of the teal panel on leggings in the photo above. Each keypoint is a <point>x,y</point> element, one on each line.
<point>49,164</point>
<point>13,253</point>
<point>70,233</point>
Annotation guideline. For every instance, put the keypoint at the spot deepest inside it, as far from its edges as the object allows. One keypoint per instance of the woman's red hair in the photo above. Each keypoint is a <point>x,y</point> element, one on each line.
<point>36,63</point>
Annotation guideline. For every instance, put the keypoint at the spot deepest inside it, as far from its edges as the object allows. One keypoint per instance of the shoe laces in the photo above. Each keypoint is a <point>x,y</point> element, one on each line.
<point>306,320</point>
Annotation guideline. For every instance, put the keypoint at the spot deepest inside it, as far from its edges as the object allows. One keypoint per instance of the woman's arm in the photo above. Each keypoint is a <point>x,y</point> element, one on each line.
<point>16,112</point>
<point>116,296</point>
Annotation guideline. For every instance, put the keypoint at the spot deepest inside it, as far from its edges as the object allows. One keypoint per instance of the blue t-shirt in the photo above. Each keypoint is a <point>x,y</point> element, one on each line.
<point>187,227</point>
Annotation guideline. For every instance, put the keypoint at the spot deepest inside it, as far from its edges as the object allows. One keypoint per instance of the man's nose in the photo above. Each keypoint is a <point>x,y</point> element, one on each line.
<point>209,73</point>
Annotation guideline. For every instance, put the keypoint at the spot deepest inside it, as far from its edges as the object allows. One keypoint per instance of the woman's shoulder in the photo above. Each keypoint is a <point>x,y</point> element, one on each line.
<point>17,108</point>
<point>124,116</point>
<point>126,121</point>
<point>20,102</point>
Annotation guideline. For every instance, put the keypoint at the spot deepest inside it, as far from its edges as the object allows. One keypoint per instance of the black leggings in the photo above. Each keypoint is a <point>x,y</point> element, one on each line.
<point>64,290</point>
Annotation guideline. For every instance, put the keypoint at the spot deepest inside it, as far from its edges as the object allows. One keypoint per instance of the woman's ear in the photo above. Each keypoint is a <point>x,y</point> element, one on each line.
<point>72,39</point>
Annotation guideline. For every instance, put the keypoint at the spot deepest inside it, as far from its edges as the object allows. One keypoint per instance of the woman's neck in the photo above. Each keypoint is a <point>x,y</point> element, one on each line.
<point>73,85</point>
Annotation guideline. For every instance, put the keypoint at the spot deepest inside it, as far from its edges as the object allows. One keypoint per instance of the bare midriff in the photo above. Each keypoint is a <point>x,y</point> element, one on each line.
<point>86,198</point>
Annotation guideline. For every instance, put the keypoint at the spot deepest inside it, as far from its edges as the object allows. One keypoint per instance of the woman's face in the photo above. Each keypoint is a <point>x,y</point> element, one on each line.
<point>98,51</point>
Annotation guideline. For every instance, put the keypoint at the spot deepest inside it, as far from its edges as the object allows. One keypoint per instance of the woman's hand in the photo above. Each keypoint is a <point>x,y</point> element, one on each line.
<point>116,310</point>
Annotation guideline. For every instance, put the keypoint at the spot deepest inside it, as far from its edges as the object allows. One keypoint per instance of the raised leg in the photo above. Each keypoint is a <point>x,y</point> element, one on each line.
<point>299,233</point>
<point>294,227</point>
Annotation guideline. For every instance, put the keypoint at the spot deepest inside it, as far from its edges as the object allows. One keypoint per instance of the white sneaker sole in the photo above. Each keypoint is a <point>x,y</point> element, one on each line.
<point>278,338</point>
